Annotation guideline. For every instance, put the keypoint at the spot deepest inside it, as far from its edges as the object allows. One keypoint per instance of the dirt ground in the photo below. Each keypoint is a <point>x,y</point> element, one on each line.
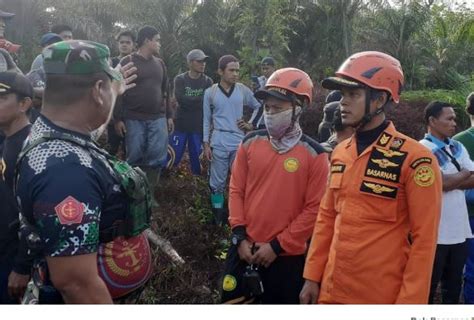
<point>184,218</point>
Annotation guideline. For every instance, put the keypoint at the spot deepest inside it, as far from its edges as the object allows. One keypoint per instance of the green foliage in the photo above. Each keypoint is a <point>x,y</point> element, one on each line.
<point>434,42</point>
<point>262,28</point>
<point>457,98</point>
<point>453,97</point>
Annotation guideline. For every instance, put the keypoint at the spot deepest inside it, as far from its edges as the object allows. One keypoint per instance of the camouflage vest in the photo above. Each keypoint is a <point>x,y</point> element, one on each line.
<point>133,182</point>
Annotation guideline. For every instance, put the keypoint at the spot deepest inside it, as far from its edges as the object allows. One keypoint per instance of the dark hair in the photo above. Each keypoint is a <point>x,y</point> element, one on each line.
<point>147,32</point>
<point>225,60</point>
<point>375,94</point>
<point>65,89</point>
<point>60,28</point>
<point>434,109</point>
<point>337,124</point>
<point>470,104</point>
<point>333,96</point>
<point>126,33</point>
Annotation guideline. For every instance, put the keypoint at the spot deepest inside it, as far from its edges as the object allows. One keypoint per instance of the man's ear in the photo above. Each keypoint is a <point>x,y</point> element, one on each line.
<point>431,121</point>
<point>383,98</point>
<point>96,92</point>
<point>25,104</point>
<point>220,72</point>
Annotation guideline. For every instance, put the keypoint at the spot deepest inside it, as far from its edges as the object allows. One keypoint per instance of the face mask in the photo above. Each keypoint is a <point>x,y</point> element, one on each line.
<point>279,123</point>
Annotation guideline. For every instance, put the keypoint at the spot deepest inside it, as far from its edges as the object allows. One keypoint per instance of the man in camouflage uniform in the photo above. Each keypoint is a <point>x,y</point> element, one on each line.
<point>70,195</point>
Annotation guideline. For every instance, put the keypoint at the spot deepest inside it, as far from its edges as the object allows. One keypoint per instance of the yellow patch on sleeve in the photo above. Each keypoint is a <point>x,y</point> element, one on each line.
<point>424,176</point>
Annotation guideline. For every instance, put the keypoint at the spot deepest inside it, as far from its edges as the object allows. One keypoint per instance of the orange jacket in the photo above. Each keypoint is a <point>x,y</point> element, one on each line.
<point>360,251</point>
<point>277,196</point>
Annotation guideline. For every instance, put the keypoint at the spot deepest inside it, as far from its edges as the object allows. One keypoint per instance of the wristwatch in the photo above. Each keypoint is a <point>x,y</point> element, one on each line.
<point>237,238</point>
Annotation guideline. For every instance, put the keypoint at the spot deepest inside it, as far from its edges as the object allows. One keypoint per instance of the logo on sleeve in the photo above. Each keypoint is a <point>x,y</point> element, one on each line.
<point>419,161</point>
<point>70,211</point>
<point>424,176</point>
<point>291,165</point>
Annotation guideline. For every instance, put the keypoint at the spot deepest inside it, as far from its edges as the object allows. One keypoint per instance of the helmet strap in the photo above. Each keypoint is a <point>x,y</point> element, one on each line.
<point>368,116</point>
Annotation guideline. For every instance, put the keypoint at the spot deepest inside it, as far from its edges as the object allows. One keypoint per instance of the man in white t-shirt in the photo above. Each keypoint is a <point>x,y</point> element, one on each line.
<point>456,167</point>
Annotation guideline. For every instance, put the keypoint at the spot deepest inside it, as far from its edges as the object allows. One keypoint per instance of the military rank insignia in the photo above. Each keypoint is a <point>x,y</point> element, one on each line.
<point>385,164</point>
<point>378,189</point>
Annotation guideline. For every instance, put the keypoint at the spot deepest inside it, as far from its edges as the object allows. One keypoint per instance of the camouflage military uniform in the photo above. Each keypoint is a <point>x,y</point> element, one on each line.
<point>70,193</point>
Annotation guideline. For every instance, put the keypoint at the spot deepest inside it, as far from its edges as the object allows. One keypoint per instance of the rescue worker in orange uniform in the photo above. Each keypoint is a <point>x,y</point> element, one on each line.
<point>278,179</point>
<point>375,236</point>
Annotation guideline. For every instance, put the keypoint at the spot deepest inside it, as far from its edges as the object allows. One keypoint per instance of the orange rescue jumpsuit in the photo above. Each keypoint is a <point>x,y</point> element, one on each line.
<point>360,250</point>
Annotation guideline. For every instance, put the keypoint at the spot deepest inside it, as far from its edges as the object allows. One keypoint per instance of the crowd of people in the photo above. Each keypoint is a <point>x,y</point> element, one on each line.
<point>364,214</point>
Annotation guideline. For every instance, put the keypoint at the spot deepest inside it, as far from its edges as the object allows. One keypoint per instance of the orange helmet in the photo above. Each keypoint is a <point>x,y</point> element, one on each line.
<point>286,83</point>
<point>374,69</point>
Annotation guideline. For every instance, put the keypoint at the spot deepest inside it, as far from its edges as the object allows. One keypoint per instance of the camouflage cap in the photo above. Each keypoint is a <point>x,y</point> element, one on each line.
<point>78,57</point>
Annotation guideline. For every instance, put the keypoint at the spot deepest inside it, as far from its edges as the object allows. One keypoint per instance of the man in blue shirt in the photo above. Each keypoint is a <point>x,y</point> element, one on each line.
<point>454,229</point>
<point>223,109</point>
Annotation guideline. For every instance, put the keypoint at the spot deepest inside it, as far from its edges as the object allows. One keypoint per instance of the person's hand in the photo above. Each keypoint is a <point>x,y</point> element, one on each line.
<point>245,251</point>
<point>207,151</point>
<point>120,128</point>
<point>128,72</point>
<point>244,125</point>
<point>17,284</point>
<point>264,255</point>
<point>465,173</point>
<point>310,292</point>
<point>170,125</point>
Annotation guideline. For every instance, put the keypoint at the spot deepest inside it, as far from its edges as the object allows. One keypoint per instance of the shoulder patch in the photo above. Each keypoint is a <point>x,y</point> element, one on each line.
<point>384,139</point>
<point>419,161</point>
<point>397,143</point>
<point>313,145</point>
<point>424,176</point>
<point>70,211</point>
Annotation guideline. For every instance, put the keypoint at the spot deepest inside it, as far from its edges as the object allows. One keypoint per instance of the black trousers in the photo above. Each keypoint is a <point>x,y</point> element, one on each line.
<point>448,268</point>
<point>282,281</point>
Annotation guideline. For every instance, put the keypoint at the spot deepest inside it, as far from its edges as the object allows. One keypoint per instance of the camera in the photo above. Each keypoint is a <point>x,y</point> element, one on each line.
<point>252,283</point>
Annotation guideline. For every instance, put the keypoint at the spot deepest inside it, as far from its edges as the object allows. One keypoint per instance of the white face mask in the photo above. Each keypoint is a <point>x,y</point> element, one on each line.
<point>278,124</point>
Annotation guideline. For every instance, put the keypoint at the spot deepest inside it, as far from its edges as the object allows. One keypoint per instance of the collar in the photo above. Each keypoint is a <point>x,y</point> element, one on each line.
<point>389,132</point>
<point>55,127</point>
<point>227,94</point>
<point>439,143</point>
<point>388,139</point>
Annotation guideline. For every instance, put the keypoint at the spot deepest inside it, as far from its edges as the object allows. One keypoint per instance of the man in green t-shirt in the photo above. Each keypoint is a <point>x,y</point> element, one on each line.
<point>466,137</point>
